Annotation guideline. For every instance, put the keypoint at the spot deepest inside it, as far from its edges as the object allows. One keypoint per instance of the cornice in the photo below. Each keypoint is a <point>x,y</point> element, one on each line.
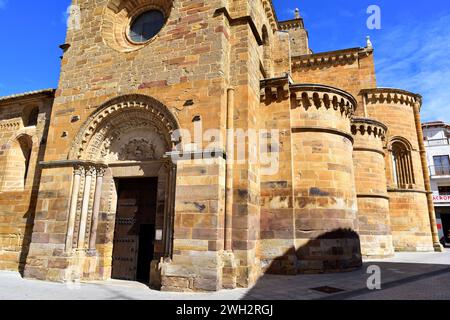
<point>47,93</point>
<point>292,24</point>
<point>398,190</point>
<point>436,124</point>
<point>331,58</point>
<point>308,95</point>
<point>324,129</point>
<point>275,88</point>
<point>369,126</point>
<point>10,125</point>
<point>391,96</point>
<point>71,163</point>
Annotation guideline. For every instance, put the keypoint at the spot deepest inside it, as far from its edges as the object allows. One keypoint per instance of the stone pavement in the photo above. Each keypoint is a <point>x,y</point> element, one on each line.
<point>406,276</point>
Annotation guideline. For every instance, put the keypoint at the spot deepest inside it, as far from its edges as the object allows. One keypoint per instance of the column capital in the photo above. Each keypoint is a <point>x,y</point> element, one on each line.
<point>79,170</point>
<point>91,170</point>
<point>101,171</point>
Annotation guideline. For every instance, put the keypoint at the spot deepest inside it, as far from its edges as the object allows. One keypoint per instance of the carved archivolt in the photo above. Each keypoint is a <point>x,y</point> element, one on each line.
<point>127,128</point>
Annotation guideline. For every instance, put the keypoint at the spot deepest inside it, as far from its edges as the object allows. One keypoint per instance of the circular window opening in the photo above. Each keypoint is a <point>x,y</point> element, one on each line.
<point>146,26</point>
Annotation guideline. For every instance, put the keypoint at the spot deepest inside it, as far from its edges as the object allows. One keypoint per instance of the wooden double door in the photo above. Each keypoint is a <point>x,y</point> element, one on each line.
<point>134,232</point>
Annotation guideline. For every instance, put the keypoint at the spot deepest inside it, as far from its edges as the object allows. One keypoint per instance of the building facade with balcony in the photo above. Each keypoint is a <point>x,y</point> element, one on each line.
<point>437,143</point>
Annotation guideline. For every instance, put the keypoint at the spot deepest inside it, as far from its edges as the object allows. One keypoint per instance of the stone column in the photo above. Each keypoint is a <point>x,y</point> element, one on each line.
<point>85,207</point>
<point>169,210</point>
<point>78,171</point>
<point>229,171</point>
<point>423,158</point>
<point>96,210</point>
<point>370,178</point>
<point>173,186</point>
<point>229,276</point>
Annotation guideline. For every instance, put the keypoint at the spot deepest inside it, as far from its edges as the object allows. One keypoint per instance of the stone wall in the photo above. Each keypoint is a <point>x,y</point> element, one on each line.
<point>46,259</point>
<point>350,70</point>
<point>199,228</point>
<point>173,68</point>
<point>204,47</point>
<point>277,232</point>
<point>245,78</point>
<point>182,68</point>
<point>325,205</point>
<point>299,40</point>
<point>219,64</point>
<point>373,201</point>
<point>18,183</point>
<point>408,205</point>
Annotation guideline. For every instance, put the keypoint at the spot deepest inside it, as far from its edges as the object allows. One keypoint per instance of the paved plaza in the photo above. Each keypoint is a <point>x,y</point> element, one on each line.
<point>406,276</point>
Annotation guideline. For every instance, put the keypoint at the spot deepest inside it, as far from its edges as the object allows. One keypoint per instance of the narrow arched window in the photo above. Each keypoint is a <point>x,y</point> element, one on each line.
<point>403,171</point>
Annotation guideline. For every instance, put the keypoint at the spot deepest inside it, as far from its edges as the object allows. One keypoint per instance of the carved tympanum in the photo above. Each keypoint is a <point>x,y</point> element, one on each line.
<point>138,150</point>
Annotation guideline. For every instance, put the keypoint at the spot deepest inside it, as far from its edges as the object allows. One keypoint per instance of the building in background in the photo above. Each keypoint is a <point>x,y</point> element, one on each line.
<point>437,143</point>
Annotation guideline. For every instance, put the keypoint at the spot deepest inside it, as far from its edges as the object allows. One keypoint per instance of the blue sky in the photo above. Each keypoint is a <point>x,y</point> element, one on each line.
<point>412,49</point>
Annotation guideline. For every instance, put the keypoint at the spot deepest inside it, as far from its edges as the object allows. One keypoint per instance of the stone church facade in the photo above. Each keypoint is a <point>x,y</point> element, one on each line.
<point>96,180</point>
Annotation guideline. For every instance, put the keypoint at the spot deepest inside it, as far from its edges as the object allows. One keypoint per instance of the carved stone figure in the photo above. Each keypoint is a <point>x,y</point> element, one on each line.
<point>138,150</point>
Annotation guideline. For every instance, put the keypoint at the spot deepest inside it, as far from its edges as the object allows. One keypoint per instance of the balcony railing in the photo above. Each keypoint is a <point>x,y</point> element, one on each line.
<point>436,171</point>
<point>437,142</point>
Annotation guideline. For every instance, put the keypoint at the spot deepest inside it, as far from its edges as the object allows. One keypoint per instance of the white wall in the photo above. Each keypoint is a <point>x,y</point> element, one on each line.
<point>437,148</point>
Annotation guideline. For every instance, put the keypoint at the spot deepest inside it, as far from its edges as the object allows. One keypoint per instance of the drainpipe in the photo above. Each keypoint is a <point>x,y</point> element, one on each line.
<point>229,170</point>
<point>423,157</point>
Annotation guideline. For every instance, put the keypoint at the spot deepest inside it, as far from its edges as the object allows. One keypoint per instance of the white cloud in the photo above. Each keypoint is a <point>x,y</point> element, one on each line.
<point>416,58</point>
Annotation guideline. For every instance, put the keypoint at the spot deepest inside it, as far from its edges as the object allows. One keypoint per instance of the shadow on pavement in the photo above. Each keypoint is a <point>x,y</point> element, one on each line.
<point>422,272</point>
<point>351,282</point>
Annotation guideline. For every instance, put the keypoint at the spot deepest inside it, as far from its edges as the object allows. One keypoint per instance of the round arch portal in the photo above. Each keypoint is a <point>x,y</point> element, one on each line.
<point>120,171</point>
<point>142,119</point>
